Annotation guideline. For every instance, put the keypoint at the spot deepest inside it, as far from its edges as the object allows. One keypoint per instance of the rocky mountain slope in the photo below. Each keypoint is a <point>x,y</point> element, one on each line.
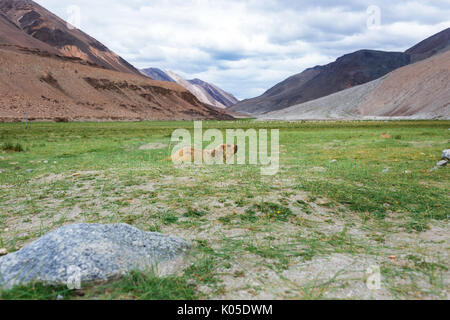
<point>13,35</point>
<point>157,74</point>
<point>204,91</point>
<point>348,71</point>
<point>224,98</point>
<point>438,43</point>
<point>64,74</point>
<point>417,91</point>
<point>64,89</point>
<point>47,28</point>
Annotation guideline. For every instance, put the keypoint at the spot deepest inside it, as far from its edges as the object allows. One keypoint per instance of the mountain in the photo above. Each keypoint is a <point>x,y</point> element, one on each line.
<point>348,71</point>
<point>63,88</point>
<point>204,91</point>
<point>224,98</point>
<point>39,70</point>
<point>13,35</point>
<point>157,74</point>
<point>417,91</point>
<point>49,29</point>
<point>438,43</point>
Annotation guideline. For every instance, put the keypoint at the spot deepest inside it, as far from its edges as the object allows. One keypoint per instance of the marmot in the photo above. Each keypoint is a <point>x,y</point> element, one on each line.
<point>189,154</point>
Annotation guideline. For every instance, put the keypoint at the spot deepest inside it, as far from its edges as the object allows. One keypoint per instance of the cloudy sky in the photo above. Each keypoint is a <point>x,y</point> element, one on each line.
<point>247,46</point>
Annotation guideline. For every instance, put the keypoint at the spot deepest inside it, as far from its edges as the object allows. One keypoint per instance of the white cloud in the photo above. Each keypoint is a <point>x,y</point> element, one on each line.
<point>246,47</point>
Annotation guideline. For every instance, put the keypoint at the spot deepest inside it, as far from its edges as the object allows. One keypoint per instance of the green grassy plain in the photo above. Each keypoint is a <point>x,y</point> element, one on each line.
<point>309,232</point>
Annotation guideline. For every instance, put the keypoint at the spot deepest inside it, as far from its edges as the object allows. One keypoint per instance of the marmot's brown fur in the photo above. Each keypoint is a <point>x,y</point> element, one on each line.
<point>189,154</point>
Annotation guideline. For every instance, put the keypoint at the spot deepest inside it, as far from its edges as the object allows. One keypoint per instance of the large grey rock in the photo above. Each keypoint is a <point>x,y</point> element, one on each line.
<point>90,252</point>
<point>446,155</point>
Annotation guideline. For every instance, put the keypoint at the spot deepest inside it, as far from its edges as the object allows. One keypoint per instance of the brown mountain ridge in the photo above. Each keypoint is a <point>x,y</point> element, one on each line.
<point>48,28</point>
<point>61,88</point>
<point>64,74</point>
<point>348,71</point>
<point>418,91</point>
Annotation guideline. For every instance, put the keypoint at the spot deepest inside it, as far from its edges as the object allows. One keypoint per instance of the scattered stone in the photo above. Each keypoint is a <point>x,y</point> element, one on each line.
<point>333,161</point>
<point>29,170</point>
<point>59,297</point>
<point>385,170</point>
<point>407,172</point>
<point>442,163</point>
<point>80,253</point>
<point>76,174</point>
<point>45,161</point>
<point>3,252</point>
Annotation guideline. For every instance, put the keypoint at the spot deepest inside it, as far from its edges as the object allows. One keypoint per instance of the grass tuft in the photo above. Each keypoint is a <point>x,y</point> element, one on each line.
<point>273,210</point>
<point>10,147</point>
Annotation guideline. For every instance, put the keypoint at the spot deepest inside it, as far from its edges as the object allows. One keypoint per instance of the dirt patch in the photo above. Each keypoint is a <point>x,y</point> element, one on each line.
<point>337,275</point>
<point>51,178</point>
<point>153,146</point>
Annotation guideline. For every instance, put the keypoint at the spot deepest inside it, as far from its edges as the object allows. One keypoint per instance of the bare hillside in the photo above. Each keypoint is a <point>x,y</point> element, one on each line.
<point>63,88</point>
<point>49,29</point>
<point>205,92</point>
<point>418,91</point>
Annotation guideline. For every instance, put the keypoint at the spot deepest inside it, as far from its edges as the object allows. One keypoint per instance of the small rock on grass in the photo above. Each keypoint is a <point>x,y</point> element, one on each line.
<point>446,154</point>
<point>3,252</point>
<point>442,163</point>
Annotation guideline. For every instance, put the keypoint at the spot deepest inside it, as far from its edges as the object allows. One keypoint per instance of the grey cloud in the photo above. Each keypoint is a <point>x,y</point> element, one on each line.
<point>248,46</point>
